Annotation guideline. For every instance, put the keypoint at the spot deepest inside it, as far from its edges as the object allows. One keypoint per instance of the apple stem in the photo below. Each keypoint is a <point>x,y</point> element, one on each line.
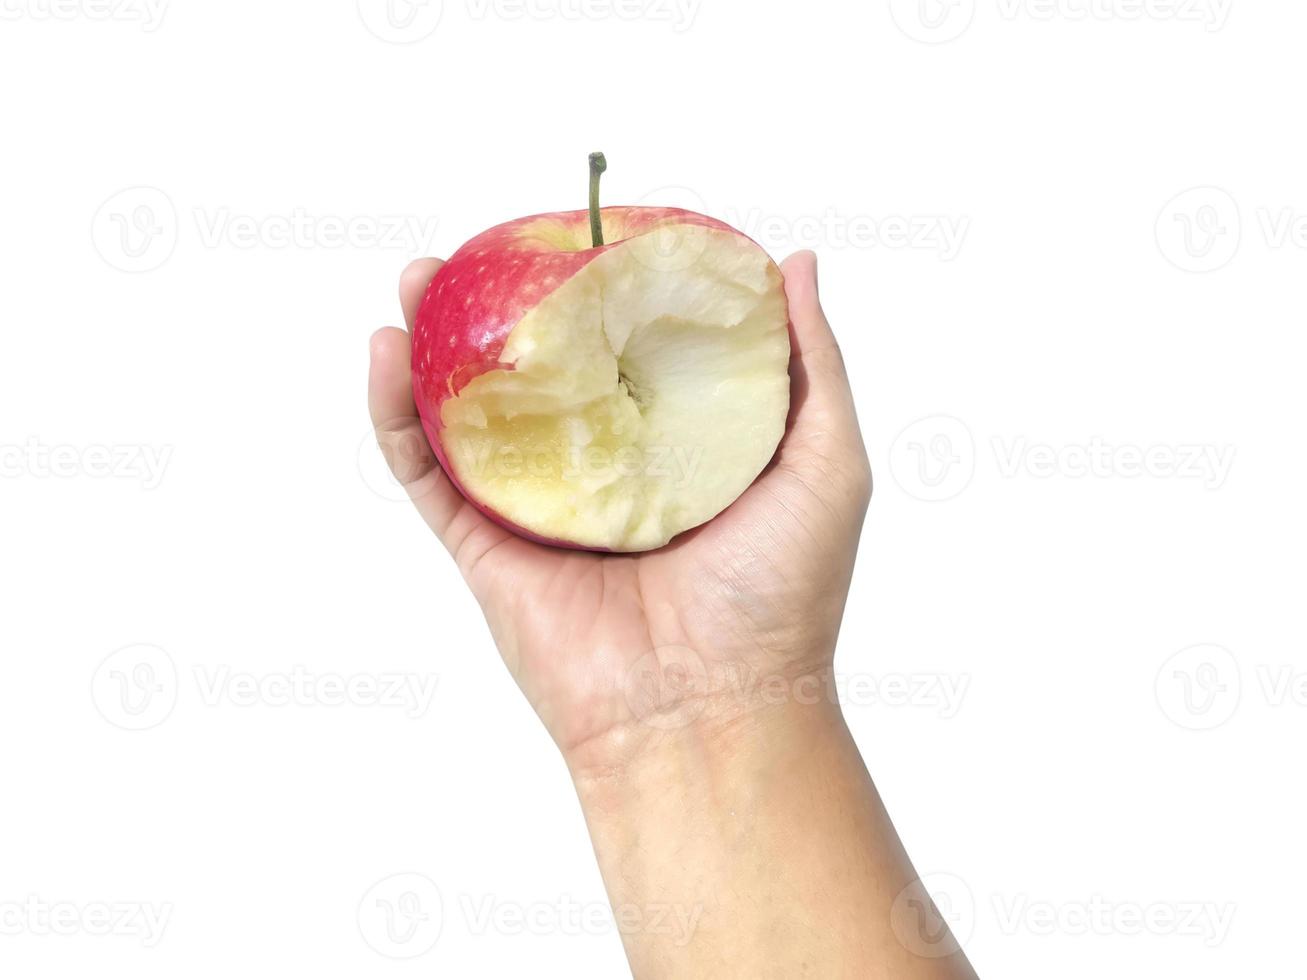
<point>597,166</point>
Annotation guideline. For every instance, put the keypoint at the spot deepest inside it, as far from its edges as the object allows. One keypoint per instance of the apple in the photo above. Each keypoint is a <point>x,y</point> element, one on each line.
<point>604,379</point>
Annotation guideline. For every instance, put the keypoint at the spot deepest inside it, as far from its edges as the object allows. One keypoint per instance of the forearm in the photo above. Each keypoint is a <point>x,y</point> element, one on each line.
<point>756,849</point>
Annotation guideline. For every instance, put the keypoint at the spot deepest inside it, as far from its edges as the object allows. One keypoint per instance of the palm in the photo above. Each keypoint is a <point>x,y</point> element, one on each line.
<point>609,645</point>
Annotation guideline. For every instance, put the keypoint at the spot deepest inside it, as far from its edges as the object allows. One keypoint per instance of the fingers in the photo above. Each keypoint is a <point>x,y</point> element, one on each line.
<point>816,364</point>
<point>390,392</point>
<point>413,283</point>
<point>809,330</point>
<point>823,418</point>
<point>400,435</point>
<point>468,534</point>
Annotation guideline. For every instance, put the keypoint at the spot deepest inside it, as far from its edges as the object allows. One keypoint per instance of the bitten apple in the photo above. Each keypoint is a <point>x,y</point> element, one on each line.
<point>604,379</point>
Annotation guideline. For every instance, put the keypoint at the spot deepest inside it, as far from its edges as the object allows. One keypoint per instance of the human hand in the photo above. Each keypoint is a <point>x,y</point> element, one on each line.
<point>687,688</point>
<point>617,653</point>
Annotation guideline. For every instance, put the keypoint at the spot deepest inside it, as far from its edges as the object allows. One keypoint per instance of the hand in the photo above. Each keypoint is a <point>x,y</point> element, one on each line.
<point>687,690</point>
<point>618,652</point>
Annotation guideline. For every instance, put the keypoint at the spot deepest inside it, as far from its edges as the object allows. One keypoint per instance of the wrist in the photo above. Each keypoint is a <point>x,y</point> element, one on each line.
<point>713,750</point>
<point>725,828</point>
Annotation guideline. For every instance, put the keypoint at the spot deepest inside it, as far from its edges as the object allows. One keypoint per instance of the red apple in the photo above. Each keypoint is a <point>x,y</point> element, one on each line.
<point>604,397</point>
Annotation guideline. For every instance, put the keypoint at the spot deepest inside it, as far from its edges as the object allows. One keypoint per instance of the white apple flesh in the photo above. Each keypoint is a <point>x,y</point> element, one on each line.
<point>605,398</point>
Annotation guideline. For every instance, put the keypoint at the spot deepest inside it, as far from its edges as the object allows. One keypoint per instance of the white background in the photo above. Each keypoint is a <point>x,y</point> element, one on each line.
<point>1102,800</point>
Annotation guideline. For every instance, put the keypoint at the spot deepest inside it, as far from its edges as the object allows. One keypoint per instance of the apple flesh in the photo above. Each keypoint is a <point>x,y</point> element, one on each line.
<point>605,398</point>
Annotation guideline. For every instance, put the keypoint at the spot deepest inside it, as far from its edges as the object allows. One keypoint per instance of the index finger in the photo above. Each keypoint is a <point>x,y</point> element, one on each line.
<point>413,283</point>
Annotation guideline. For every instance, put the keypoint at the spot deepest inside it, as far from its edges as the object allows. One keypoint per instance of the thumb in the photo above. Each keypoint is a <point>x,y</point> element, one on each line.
<point>823,419</point>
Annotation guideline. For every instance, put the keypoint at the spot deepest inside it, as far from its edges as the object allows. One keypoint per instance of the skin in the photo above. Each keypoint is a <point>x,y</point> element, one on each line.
<point>736,826</point>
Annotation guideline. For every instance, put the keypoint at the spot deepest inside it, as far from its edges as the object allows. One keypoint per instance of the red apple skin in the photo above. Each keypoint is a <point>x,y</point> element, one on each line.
<point>485,288</point>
